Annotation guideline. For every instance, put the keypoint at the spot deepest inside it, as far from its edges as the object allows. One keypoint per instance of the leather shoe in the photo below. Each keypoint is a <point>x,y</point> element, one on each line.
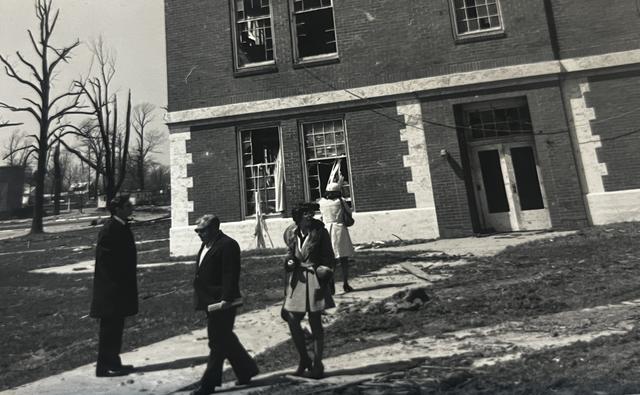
<point>114,371</point>
<point>246,380</point>
<point>203,391</point>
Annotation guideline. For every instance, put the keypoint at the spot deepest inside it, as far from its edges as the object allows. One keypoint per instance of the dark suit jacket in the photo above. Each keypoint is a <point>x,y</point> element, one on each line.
<point>217,277</point>
<point>115,287</point>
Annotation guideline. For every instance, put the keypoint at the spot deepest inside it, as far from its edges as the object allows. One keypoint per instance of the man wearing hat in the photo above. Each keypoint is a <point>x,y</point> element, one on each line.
<point>217,283</point>
<point>115,288</point>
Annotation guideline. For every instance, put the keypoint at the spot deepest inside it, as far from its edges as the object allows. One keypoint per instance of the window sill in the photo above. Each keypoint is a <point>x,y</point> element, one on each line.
<point>480,36</point>
<point>316,61</point>
<point>262,69</point>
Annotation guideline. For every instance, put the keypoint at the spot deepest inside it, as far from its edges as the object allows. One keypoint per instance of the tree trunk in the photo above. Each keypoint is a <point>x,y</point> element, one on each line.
<point>141,174</point>
<point>57,180</point>
<point>38,208</point>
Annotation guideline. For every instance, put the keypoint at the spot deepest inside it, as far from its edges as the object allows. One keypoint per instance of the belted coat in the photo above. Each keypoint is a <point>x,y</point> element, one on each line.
<point>115,284</point>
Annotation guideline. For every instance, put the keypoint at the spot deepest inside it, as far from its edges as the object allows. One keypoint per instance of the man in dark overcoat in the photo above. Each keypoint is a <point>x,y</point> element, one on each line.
<point>217,275</point>
<point>115,288</point>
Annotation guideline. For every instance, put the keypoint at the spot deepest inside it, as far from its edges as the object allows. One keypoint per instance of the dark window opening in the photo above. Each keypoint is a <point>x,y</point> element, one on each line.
<point>492,179</point>
<point>524,167</point>
<point>254,33</point>
<point>314,28</point>
<point>260,149</point>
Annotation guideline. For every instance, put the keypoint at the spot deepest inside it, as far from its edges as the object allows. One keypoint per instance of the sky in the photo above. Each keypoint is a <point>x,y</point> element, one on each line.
<point>134,29</point>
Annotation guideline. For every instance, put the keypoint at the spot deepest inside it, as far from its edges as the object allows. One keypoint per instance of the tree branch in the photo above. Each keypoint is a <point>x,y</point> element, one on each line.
<point>11,72</point>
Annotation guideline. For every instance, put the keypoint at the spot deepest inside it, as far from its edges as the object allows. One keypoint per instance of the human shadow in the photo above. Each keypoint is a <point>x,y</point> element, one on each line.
<point>172,365</point>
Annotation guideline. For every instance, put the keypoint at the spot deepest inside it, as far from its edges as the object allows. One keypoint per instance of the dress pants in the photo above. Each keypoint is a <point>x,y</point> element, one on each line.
<point>224,344</point>
<point>110,341</point>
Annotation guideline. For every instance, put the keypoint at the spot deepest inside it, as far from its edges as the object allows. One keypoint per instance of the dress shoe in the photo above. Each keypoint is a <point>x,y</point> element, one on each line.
<point>347,288</point>
<point>247,379</point>
<point>303,365</point>
<point>113,371</point>
<point>203,391</point>
<point>317,372</point>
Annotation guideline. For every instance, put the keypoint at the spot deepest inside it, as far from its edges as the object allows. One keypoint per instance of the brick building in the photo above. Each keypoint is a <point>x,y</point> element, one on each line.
<point>445,119</point>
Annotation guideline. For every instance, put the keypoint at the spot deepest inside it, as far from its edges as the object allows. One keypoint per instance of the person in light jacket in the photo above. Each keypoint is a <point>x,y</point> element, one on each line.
<point>309,262</point>
<point>331,209</point>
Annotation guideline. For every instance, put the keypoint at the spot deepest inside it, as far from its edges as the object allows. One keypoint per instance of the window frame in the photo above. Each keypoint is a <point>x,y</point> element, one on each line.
<point>303,154</point>
<point>241,167</point>
<point>496,104</point>
<point>315,59</point>
<point>257,67</point>
<point>476,34</point>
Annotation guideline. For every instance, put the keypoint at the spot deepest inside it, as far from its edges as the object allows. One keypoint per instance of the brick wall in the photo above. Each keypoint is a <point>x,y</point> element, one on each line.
<point>559,173</point>
<point>377,168</point>
<point>592,27</point>
<point>215,174</point>
<point>616,101</point>
<point>453,208</point>
<point>378,42</point>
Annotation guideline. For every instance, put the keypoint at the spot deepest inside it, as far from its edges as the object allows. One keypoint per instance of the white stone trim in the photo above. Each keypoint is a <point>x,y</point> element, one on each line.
<point>585,142</point>
<point>417,160</point>
<point>547,68</point>
<point>180,182</point>
<point>617,206</point>
<point>376,225</point>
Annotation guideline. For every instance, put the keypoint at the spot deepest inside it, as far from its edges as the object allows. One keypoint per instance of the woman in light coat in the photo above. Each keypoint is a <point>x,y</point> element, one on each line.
<point>310,264</point>
<point>331,208</point>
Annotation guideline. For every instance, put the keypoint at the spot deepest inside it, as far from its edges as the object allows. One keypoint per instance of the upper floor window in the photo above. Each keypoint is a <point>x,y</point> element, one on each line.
<point>253,36</point>
<point>472,17</point>
<point>314,29</point>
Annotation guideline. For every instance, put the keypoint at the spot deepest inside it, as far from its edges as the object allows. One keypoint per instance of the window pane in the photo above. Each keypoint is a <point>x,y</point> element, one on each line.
<point>322,158</point>
<point>492,179</point>
<point>476,15</point>
<point>524,167</point>
<point>254,42</point>
<point>315,33</point>
<point>263,146</point>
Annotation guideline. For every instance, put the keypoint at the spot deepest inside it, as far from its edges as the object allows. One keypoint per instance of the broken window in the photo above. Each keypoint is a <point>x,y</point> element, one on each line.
<point>260,150</point>
<point>498,119</point>
<point>253,33</point>
<point>314,28</point>
<point>476,16</point>
<point>326,157</point>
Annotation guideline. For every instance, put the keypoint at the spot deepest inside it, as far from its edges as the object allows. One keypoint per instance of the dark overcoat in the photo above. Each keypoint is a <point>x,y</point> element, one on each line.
<point>218,276</point>
<point>115,285</point>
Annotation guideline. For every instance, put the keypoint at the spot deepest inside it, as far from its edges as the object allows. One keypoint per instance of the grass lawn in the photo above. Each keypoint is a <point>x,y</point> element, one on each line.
<point>45,328</point>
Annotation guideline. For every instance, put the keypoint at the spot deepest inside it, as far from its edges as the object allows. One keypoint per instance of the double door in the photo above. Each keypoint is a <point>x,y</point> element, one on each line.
<point>508,188</point>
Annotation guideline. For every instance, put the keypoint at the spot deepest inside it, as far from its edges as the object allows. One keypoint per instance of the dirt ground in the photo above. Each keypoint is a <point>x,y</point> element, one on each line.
<point>45,328</point>
<point>595,267</point>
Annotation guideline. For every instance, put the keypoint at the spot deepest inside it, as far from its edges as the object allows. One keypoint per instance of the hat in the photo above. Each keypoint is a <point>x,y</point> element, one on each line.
<point>333,187</point>
<point>207,221</point>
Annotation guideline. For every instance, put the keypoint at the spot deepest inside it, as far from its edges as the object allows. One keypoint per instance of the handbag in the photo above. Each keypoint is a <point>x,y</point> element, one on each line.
<point>347,218</point>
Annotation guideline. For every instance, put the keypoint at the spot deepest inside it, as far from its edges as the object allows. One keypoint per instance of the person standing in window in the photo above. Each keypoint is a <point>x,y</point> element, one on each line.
<point>115,286</point>
<point>310,263</point>
<point>331,209</point>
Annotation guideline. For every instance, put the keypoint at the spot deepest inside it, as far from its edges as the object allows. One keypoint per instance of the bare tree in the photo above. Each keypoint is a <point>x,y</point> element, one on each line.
<point>113,138</point>
<point>45,107</point>
<point>147,140</point>
<point>7,124</point>
<point>16,151</point>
